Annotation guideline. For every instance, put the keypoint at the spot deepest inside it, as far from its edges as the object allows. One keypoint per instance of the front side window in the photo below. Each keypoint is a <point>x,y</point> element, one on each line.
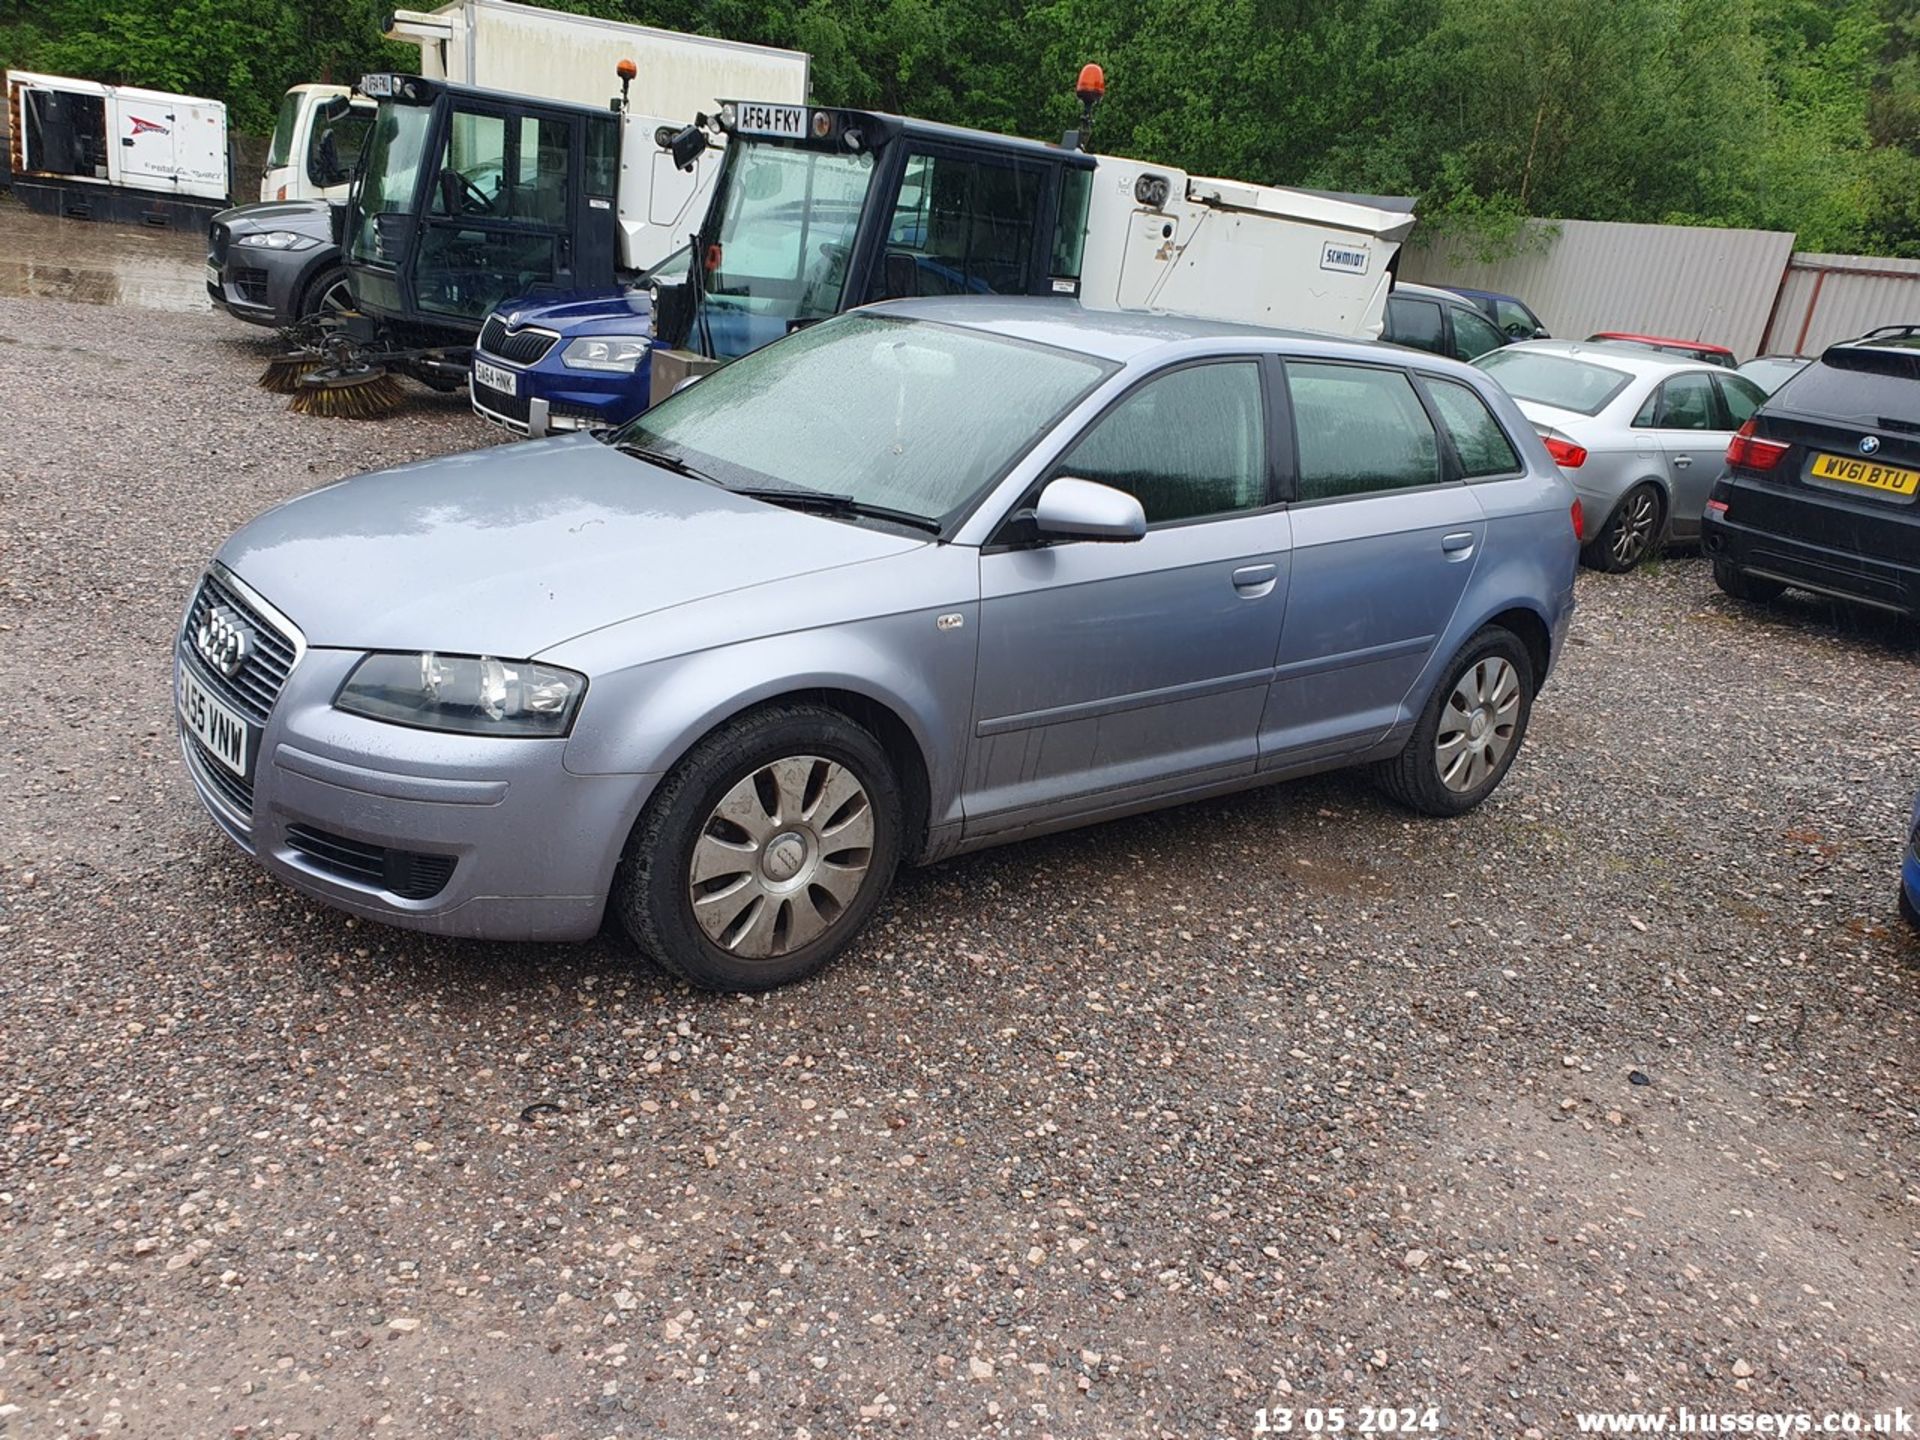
<point>1188,444</point>
<point>901,414</point>
<point>473,168</point>
<point>334,149</point>
<point>1515,319</point>
<point>1473,336</point>
<point>786,230</point>
<point>1417,323</point>
<point>280,148</point>
<point>961,227</point>
<point>1483,447</point>
<point>1359,430</point>
<point>396,150</point>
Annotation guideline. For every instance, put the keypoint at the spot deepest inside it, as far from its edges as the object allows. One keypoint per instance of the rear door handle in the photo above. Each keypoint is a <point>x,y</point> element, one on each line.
<point>1683,461</point>
<point>1458,543</point>
<point>1253,581</point>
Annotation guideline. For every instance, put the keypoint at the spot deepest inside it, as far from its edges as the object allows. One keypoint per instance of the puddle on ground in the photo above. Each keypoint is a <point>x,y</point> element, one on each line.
<point>97,263</point>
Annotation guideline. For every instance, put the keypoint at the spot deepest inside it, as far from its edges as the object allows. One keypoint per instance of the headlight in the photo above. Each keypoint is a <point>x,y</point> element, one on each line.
<point>278,240</point>
<point>470,694</point>
<point>619,353</point>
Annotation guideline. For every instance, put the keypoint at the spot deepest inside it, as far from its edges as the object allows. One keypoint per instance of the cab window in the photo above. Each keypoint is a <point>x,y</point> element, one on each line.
<point>961,227</point>
<point>1359,430</point>
<point>1187,444</point>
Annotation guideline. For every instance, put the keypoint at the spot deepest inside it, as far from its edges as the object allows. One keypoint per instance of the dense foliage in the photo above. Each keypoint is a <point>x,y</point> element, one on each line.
<point>1799,115</point>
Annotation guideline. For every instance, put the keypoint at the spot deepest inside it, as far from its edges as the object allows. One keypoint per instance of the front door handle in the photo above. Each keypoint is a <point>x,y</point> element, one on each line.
<point>1253,581</point>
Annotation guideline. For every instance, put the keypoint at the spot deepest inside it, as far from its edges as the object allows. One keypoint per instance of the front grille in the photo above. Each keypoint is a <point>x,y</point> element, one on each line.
<point>214,776</point>
<point>253,691</point>
<point>218,237</point>
<point>406,873</point>
<point>508,407</point>
<point>517,347</point>
<point>251,283</point>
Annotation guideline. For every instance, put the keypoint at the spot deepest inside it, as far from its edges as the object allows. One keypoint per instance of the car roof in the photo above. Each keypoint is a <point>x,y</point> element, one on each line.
<point>1603,352</point>
<point>1427,292</point>
<point>1633,338</point>
<point>1117,335</point>
<point>1489,295</point>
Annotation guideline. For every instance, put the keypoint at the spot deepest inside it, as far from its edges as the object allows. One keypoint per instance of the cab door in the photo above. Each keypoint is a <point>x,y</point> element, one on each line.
<point>499,209</point>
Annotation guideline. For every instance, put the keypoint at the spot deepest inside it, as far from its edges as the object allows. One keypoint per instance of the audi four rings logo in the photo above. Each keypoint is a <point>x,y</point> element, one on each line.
<point>224,640</point>
<point>1870,445</point>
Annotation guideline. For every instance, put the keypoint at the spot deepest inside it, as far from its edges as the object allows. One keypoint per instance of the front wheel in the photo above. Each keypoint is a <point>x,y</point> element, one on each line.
<point>765,852</point>
<point>1471,729</point>
<point>1630,533</point>
<point>328,296</point>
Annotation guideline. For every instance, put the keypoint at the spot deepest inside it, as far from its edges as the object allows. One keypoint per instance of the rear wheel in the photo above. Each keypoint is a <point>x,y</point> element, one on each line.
<point>1630,533</point>
<point>327,295</point>
<point>764,853</point>
<point>1471,729</point>
<point>1742,586</point>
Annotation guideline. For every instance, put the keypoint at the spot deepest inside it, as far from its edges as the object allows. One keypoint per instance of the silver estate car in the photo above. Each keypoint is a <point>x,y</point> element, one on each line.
<point>919,579</point>
<point>1642,435</point>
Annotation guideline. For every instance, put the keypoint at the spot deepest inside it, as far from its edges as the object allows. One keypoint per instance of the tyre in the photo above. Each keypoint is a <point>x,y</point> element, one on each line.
<point>326,294</point>
<point>1630,533</point>
<point>1470,731</point>
<point>764,852</point>
<point>1742,586</point>
<point>1907,912</point>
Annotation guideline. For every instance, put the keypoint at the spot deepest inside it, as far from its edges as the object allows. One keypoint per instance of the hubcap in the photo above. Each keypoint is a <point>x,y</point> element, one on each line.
<point>1635,530</point>
<point>1477,723</point>
<point>782,857</point>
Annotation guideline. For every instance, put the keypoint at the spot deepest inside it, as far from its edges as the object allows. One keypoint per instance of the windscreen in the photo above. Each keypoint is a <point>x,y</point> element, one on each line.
<point>394,154</point>
<point>901,414</point>
<point>282,144</point>
<point>787,223</point>
<point>1556,380</point>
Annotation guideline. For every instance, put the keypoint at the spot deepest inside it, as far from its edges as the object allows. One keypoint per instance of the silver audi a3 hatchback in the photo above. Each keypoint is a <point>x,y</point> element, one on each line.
<point>920,579</point>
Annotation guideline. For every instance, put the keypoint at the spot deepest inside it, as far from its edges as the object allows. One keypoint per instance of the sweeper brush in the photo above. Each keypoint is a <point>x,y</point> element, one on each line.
<point>360,392</point>
<point>285,372</point>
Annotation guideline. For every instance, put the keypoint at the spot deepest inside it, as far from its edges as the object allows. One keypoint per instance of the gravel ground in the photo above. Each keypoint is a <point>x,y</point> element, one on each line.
<point>1282,1100</point>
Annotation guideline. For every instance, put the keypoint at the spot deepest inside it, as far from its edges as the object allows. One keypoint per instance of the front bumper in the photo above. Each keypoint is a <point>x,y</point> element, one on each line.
<point>548,397</point>
<point>260,286</point>
<point>518,847</point>
<point>1841,574</point>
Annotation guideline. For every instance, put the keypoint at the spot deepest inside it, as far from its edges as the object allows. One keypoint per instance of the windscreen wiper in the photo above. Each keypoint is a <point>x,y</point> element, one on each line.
<point>823,502</point>
<point>663,459</point>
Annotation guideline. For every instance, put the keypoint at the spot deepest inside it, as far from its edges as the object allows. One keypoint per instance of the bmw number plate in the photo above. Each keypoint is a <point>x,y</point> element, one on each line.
<point>495,377</point>
<point>221,728</point>
<point>785,122</point>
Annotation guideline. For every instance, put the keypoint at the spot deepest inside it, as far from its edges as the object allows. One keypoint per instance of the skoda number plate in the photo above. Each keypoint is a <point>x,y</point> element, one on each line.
<point>788,122</point>
<point>219,727</point>
<point>496,377</point>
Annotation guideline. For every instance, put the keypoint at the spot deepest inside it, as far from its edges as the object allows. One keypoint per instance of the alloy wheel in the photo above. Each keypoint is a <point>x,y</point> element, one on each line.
<point>781,857</point>
<point>1634,531</point>
<point>1477,724</point>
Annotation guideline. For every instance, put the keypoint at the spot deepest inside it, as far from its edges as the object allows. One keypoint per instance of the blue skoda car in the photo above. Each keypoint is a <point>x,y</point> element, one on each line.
<point>570,364</point>
<point>1910,870</point>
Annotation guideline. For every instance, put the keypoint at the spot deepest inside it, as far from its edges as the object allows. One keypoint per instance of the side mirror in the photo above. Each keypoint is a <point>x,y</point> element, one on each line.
<point>1070,509</point>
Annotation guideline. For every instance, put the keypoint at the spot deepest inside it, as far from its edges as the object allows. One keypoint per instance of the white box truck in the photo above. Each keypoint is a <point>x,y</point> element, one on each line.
<point>92,151</point>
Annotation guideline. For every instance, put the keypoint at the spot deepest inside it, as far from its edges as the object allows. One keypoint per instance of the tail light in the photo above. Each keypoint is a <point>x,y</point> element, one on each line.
<point>1579,521</point>
<point>1566,454</point>
<point>1748,453</point>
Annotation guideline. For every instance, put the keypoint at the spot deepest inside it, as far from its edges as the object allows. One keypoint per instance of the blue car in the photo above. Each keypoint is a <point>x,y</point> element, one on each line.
<point>1910,870</point>
<point>1512,314</point>
<point>574,363</point>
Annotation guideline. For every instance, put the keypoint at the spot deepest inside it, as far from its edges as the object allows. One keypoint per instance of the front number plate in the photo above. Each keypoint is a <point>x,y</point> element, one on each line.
<point>213,276</point>
<point>786,122</point>
<point>495,377</point>
<point>221,728</point>
<point>1889,478</point>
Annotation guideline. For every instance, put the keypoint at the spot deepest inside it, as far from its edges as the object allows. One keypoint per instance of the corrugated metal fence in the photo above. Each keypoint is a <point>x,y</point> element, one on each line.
<point>1746,289</point>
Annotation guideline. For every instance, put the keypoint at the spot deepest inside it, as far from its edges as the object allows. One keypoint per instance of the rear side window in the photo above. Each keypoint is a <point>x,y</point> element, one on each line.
<point>1556,380</point>
<point>1185,445</point>
<point>1482,445</point>
<point>1416,323</point>
<point>1868,388</point>
<point>1359,430</point>
<point>1742,398</point>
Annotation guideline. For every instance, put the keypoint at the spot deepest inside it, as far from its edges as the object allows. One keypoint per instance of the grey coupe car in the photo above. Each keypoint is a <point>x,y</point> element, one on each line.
<point>923,578</point>
<point>1641,434</point>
